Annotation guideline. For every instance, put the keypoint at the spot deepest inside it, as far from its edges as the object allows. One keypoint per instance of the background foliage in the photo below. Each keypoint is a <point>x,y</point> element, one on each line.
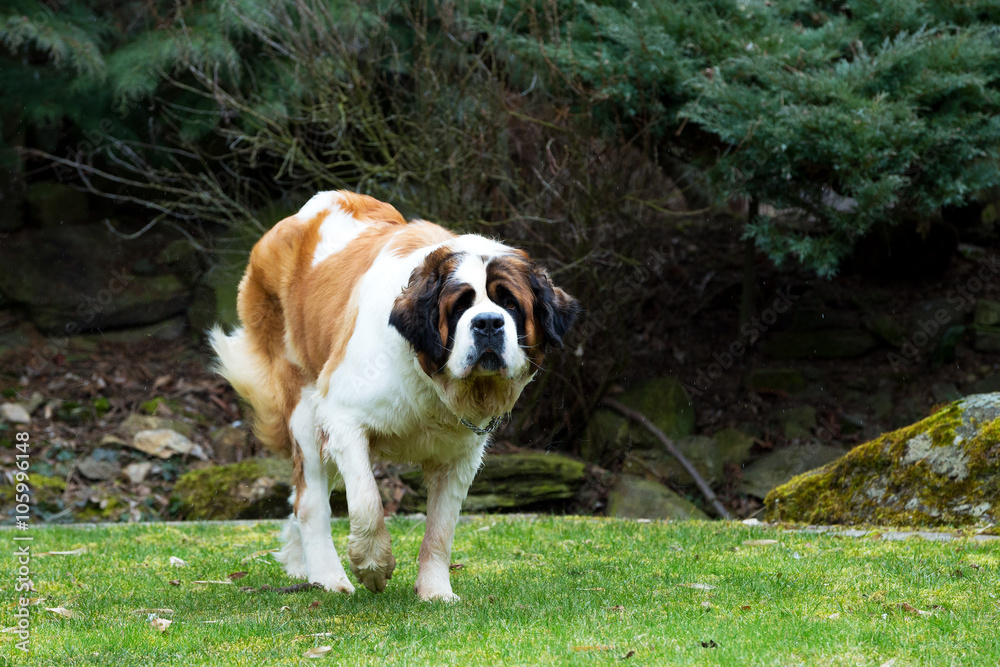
<point>562,126</point>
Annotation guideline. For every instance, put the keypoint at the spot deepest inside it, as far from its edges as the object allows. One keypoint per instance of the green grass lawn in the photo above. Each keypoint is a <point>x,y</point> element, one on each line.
<point>534,591</point>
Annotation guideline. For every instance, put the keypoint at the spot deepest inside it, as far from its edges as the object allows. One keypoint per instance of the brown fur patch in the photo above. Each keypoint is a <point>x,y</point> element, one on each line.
<point>513,273</point>
<point>419,234</point>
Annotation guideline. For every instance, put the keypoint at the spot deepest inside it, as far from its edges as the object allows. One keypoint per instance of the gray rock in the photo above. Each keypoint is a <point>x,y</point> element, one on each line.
<point>782,465</point>
<point>163,443</point>
<point>229,442</point>
<point>942,470</point>
<point>77,278</point>
<point>986,339</point>
<point>734,446</point>
<point>637,498</point>
<point>511,481</point>
<point>945,392</point>
<point>987,313</point>
<point>167,330</point>
<point>701,451</point>
<point>136,473</point>
<point>98,470</point>
<point>15,413</point>
<point>136,422</point>
<point>798,422</point>
<point>663,400</point>
<point>987,385</point>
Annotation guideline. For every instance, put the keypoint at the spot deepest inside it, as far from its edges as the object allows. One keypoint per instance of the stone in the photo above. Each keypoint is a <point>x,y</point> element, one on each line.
<point>163,443</point>
<point>734,446</point>
<point>636,498</point>
<point>46,493</point>
<point>214,300</point>
<point>987,385</point>
<point>701,451</point>
<point>824,344</point>
<point>136,422</point>
<point>945,392</point>
<point>98,470</point>
<point>52,204</point>
<point>779,466</point>
<point>941,471</point>
<point>785,380</point>
<point>511,481</point>
<point>228,442</point>
<point>256,488</point>
<point>167,330</point>
<point>798,422</point>
<point>136,473</point>
<point>663,400</point>
<point>886,328</point>
<point>15,413</point>
<point>67,291</point>
<point>987,313</point>
<point>986,339</point>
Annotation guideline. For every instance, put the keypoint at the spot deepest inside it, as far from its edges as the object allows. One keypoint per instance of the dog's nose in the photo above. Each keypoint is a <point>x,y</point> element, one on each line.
<point>487,324</point>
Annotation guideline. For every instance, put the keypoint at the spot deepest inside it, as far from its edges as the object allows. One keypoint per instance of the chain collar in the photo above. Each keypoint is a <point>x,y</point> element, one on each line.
<point>490,428</point>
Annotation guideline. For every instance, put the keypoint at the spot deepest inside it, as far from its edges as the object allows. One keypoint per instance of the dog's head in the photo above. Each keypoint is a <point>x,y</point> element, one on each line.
<point>480,317</point>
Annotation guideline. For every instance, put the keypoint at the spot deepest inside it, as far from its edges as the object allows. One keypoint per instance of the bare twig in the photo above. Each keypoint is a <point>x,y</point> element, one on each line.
<point>643,420</point>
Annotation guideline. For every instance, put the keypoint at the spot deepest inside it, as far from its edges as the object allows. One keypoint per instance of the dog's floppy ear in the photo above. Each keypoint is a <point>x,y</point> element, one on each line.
<point>415,313</point>
<point>555,310</point>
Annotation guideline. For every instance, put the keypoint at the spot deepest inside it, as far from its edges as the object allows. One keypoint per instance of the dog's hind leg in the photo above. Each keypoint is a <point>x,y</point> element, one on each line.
<point>309,528</point>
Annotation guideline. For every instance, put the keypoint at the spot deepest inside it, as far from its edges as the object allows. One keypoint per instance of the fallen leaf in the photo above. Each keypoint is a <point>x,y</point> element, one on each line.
<point>175,582</point>
<point>160,624</point>
<point>617,607</point>
<point>746,607</point>
<point>285,608</point>
<point>456,566</point>
<point>710,644</point>
<point>178,562</point>
<point>163,610</point>
<point>700,587</point>
<point>237,575</point>
<point>209,581</point>
<point>314,604</point>
<point>706,605</point>
<point>628,655</point>
<point>62,611</point>
<point>318,651</point>
<point>834,616</point>
<point>759,543</point>
<point>35,601</point>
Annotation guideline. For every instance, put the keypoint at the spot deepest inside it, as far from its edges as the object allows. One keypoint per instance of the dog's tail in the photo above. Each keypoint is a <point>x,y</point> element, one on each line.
<point>252,376</point>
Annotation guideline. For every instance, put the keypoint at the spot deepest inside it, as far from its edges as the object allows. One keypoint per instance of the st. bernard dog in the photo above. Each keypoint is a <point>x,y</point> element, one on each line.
<point>364,335</point>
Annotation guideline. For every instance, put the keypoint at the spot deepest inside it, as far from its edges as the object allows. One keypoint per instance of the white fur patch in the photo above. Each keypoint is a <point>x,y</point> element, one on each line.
<point>336,231</point>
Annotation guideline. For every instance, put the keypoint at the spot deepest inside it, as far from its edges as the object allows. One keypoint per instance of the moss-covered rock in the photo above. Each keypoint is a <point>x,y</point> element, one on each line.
<point>46,493</point>
<point>251,489</point>
<point>512,481</point>
<point>637,498</point>
<point>663,400</point>
<point>944,470</point>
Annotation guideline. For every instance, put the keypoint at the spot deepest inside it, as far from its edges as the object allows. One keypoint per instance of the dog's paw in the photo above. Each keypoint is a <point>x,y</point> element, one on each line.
<point>371,560</point>
<point>429,594</point>
<point>374,576</point>
<point>335,583</point>
<point>292,561</point>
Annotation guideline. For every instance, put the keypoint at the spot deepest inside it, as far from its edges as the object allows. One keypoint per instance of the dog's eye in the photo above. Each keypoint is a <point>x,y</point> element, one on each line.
<point>509,303</point>
<point>464,302</point>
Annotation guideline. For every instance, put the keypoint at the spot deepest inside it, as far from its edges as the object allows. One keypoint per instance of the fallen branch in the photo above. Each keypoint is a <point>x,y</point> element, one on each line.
<point>644,421</point>
<point>295,588</point>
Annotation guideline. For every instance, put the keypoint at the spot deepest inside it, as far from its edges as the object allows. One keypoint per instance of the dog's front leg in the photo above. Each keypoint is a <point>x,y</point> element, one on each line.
<point>447,486</point>
<point>369,547</point>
